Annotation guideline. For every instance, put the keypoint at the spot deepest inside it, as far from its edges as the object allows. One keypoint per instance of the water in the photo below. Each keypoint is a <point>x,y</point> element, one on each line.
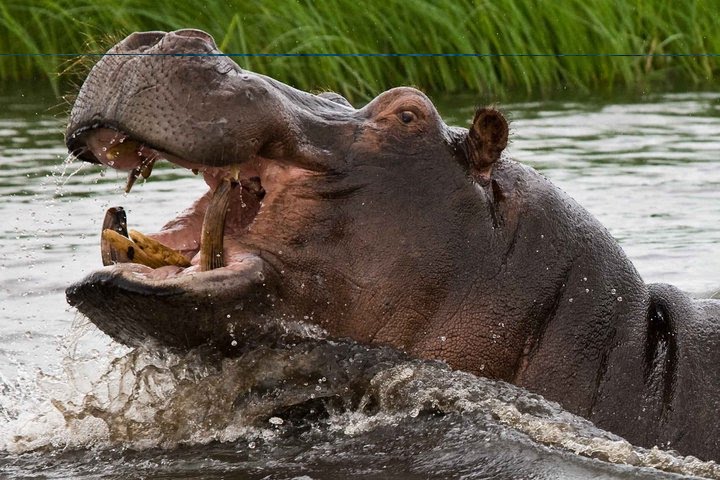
<point>75,405</point>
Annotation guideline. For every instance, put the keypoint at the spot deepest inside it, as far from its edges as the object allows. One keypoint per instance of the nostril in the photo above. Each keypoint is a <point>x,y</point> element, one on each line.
<point>193,33</point>
<point>140,41</point>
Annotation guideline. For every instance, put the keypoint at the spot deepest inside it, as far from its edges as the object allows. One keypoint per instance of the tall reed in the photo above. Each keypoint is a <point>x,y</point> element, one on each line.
<point>395,26</point>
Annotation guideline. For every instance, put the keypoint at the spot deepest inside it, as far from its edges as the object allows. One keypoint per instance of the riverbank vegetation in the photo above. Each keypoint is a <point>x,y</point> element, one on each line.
<point>589,31</point>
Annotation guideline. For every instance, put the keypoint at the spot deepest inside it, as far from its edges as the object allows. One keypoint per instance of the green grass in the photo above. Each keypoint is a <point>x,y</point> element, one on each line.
<point>395,26</point>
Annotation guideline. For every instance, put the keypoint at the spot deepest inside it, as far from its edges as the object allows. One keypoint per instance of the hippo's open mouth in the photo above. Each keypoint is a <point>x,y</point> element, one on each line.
<point>202,254</point>
<point>205,237</point>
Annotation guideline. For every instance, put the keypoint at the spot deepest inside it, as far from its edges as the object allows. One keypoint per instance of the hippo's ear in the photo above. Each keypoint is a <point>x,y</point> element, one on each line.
<point>486,140</point>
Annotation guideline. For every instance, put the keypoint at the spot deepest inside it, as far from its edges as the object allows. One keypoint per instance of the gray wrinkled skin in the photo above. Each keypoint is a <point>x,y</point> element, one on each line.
<point>410,234</point>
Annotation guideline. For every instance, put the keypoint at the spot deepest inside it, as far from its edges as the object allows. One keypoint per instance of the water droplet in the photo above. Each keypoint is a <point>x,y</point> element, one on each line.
<point>443,338</point>
<point>587,290</point>
<point>251,445</point>
<point>571,300</point>
<point>619,299</point>
<point>233,343</point>
<point>613,291</point>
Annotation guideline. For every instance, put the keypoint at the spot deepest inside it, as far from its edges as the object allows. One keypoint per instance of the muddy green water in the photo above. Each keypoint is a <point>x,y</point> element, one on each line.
<point>647,167</point>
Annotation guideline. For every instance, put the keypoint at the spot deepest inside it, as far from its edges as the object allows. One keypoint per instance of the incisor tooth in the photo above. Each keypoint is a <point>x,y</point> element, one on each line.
<point>147,252</point>
<point>115,220</point>
<point>132,176</point>
<point>144,169</point>
<point>157,250</point>
<point>125,251</point>
<point>117,246</point>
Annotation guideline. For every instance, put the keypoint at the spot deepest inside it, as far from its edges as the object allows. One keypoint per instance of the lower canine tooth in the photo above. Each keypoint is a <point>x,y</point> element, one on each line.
<point>213,228</point>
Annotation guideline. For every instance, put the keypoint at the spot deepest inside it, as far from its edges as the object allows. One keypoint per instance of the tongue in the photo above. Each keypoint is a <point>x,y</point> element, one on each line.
<point>213,227</point>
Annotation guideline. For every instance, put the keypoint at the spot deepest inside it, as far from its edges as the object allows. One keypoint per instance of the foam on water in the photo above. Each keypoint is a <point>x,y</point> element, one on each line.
<point>148,398</point>
<point>142,398</point>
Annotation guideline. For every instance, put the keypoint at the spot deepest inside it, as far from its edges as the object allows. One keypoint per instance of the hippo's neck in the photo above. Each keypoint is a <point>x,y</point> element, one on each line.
<point>581,294</point>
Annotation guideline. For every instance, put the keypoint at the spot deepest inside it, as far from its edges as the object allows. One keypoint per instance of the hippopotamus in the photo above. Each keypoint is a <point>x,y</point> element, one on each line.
<point>386,226</point>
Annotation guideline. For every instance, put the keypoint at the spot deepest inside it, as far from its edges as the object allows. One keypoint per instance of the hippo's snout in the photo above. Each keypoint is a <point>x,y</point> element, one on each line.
<point>193,33</point>
<point>178,42</point>
<point>139,41</point>
<point>177,94</point>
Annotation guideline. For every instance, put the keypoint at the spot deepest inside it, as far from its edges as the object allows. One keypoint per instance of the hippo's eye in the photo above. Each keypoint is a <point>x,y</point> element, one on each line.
<point>406,116</point>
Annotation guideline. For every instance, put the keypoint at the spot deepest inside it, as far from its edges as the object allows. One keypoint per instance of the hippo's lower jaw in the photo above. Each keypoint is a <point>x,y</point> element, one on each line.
<point>181,311</point>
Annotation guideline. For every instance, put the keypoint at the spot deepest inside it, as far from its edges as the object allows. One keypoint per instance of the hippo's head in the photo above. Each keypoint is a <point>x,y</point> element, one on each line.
<point>316,210</point>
